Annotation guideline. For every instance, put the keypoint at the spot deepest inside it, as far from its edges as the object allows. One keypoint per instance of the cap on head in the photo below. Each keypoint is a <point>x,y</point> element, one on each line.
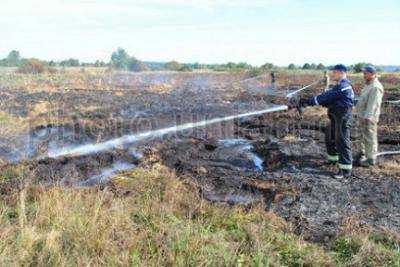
<point>369,68</point>
<point>339,67</point>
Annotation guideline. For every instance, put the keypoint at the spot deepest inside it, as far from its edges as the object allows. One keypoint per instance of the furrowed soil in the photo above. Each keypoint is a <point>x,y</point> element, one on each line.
<point>273,163</point>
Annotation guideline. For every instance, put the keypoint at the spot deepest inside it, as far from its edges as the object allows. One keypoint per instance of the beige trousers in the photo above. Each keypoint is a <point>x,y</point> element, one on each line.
<point>369,139</point>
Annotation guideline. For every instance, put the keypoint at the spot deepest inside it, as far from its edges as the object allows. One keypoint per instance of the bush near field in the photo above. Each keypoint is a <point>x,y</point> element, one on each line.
<point>31,66</point>
<point>35,66</point>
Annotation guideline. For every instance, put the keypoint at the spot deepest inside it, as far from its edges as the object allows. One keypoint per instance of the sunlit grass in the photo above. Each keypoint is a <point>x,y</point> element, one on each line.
<point>150,218</point>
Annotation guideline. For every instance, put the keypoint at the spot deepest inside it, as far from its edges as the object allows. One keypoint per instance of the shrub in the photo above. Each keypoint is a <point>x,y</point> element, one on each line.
<point>70,63</point>
<point>31,66</point>
<point>268,66</point>
<point>136,65</point>
<point>185,68</point>
<point>52,70</point>
<point>176,66</point>
<point>254,72</point>
<point>121,60</point>
<point>173,65</point>
<point>307,66</point>
<point>357,68</point>
<point>13,59</point>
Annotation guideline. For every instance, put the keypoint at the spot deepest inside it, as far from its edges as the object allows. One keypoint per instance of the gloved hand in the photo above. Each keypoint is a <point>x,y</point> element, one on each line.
<point>294,102</point>
<point>298,103</point>
<point>303,102</point>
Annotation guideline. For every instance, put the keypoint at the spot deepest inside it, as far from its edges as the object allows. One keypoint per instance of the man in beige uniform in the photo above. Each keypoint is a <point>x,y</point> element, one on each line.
<point>369,109</point>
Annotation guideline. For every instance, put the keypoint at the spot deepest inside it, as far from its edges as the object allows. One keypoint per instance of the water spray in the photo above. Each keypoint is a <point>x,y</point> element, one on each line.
<point>129,139</point>
<point>291,94</point>
<point>89,149</point>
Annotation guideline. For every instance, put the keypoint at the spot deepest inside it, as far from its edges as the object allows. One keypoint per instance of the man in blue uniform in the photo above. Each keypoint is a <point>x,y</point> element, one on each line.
<point>339,101</point>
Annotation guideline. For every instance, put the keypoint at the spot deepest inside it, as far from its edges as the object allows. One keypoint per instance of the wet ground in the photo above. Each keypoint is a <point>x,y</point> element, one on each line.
<point>275,159</point>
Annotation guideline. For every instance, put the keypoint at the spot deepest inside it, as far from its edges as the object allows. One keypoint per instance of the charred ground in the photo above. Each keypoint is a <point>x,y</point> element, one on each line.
<point>275,160</point>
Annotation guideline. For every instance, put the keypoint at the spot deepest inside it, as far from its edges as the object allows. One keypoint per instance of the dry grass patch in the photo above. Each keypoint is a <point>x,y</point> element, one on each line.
<point>149,219</point>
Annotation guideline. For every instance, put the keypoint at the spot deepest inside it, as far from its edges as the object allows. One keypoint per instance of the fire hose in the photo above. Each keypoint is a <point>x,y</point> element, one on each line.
<point>393,102</point>
<point>292,94</point>
<point>294,101</point>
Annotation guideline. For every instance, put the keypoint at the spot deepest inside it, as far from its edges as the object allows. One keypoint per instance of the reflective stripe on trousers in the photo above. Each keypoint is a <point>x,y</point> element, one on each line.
<point>345,166</point>
<point>337,138</point>
<point>333,158</point>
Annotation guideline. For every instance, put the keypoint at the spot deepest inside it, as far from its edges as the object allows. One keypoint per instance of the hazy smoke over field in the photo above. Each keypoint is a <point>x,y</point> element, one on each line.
<point>128,139</point>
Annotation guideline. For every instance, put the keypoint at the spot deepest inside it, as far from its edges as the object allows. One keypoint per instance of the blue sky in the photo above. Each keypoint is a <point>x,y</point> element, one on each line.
<point>258,31</point>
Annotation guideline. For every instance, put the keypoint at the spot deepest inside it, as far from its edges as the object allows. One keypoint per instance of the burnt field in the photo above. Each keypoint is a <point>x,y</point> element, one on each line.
<point>82,129</point>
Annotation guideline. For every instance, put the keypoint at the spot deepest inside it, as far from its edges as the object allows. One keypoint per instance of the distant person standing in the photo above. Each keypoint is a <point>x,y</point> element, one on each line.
<point>327,81</point>
<point>273,79</point>
<point>369,109</point>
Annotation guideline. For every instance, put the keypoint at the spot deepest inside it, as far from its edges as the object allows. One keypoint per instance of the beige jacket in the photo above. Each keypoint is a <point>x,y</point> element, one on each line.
<point>369,103</point>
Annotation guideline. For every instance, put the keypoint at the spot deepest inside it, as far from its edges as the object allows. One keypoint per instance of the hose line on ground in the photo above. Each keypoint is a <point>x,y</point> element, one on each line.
<point>393,102</point>
<point>388,153</point>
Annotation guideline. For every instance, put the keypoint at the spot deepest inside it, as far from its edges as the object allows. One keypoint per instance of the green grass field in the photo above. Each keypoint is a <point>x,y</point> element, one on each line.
<point>150,218</point>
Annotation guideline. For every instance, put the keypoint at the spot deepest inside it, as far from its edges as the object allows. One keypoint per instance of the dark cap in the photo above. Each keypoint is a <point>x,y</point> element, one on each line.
<point>339,67</point>
<point>369,68</point>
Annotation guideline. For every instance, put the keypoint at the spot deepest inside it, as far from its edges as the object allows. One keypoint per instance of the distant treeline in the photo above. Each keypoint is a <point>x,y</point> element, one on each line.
<point>14,59</point>
<point>121,60</point>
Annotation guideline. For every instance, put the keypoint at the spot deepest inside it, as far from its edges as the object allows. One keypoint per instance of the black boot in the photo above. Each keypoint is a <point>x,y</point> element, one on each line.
<point>367,163</point>
<point>358,159</point>
<point>342,174</point>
